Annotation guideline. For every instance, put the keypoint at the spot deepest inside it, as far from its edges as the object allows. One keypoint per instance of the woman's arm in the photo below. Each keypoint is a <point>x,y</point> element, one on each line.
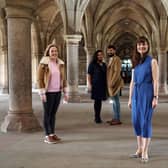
<point>155,76</point>
<point>131,89</point>
<point>40,81</point>
<point>89,76</point>
<point>40,78</point>
<point>89,82</point>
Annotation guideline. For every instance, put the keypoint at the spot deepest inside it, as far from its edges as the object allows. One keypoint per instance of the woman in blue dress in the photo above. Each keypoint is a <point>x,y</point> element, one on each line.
<point>97,83</point>
<point>143,96</point>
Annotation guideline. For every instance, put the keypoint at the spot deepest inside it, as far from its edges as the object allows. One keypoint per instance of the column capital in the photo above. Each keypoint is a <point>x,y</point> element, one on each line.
<point>20,8</point>
<point>21,3</point>
<point>16,12</point>
<point>73,39</point>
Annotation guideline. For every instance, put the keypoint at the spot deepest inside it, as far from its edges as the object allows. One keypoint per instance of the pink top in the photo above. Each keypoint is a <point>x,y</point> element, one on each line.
<point>54,82</point>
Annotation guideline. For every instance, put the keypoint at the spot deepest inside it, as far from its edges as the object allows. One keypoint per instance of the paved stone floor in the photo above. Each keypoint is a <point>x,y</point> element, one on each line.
<point>85,144</point>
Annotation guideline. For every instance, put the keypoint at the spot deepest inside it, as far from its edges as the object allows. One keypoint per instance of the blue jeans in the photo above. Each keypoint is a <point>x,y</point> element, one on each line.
<point>116,106</point>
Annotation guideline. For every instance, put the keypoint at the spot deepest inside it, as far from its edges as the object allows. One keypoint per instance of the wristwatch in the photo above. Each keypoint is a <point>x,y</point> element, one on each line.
<point>156,97</point>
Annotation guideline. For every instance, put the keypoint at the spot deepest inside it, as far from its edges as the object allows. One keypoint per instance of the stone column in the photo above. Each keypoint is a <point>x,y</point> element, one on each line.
<point>34,70</point>
<point>20,116</point>
<point>72,46</point>
<point>89,51</point>
<point>4,88</point>
<point>162,72</point>
<point>34,55</point>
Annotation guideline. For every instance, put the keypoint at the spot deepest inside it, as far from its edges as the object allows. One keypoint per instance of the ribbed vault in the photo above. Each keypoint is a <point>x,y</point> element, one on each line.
<point>112,18</point>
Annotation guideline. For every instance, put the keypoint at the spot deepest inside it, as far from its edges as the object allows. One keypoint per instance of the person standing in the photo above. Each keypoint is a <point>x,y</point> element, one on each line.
<point>114,83</point>
<point>143,96</point>
<point>97,83</point>
<point>51,81</point>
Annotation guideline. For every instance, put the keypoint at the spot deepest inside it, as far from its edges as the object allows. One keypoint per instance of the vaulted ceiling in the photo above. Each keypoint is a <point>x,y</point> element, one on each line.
<point>110,20</point>
<point>105,21</point>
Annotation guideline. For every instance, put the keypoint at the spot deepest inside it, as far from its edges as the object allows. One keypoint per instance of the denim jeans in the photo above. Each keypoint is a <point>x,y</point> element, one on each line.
<point>50,109</point>
<point>116,106</point>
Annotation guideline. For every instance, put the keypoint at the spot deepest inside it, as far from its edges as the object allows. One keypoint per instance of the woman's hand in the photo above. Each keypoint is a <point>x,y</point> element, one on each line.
<point>129,103</point>
<point>65,98</point>
<point>43,98</point>
<point>89,88</point>
<point>154,102</point>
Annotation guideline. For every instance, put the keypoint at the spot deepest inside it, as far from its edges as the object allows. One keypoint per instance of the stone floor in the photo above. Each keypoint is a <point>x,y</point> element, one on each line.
<point>85,144</point>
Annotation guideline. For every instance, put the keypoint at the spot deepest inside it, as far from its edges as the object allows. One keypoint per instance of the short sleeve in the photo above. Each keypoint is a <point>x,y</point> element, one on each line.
<point>90,69</point>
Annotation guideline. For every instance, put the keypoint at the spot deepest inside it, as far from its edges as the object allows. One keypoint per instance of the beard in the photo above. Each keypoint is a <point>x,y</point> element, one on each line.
<point>100,60</point>
<point>110,55</point>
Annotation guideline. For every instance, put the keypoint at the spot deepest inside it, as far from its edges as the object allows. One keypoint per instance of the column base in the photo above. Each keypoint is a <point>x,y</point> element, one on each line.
<point>20,123</point>
<point>74,98</point>
<point>163,89</point>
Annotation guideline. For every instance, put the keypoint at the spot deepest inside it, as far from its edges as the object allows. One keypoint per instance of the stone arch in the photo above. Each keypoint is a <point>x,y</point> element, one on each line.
<point>113,10</point>
<point>147,18</point>
<point>55,32</point>
<point>46,29</point>
<point>72,13</point>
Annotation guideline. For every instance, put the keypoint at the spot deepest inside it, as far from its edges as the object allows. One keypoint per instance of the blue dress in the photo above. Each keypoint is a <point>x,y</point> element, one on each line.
<point>142,99</point>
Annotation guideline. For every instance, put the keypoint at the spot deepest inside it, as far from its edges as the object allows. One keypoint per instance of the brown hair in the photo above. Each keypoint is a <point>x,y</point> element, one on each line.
<point>46,52</point>
<point>136,58</point>
<point>111,46</point>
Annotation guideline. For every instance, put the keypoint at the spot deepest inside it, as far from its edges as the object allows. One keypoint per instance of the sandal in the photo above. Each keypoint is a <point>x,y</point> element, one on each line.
<point>136,155</point>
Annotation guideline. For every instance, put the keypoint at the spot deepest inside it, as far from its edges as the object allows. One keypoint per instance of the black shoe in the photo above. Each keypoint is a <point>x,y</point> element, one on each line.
<point>99,121</point>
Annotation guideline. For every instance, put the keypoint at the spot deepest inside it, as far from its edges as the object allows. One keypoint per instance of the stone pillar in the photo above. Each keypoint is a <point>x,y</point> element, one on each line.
<point>20,116</point>
<point>89,51</point>
<point>162,72</point>
<point>34,55</point>
<point>72,44</point>
<point>4,88</point>
<point>34,70</point>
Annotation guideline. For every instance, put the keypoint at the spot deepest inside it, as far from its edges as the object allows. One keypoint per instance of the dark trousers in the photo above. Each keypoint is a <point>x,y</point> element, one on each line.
<point>97,109</point>
<point>50,109</point>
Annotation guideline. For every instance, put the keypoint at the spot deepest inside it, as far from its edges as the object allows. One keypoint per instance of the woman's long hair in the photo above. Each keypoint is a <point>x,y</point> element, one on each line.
<point>46,52</point>
<point>137,58</point>
<point>95,55</point>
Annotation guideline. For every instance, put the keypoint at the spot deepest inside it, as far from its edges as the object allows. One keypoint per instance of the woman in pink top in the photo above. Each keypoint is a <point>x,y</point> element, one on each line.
<point>51,81</point>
